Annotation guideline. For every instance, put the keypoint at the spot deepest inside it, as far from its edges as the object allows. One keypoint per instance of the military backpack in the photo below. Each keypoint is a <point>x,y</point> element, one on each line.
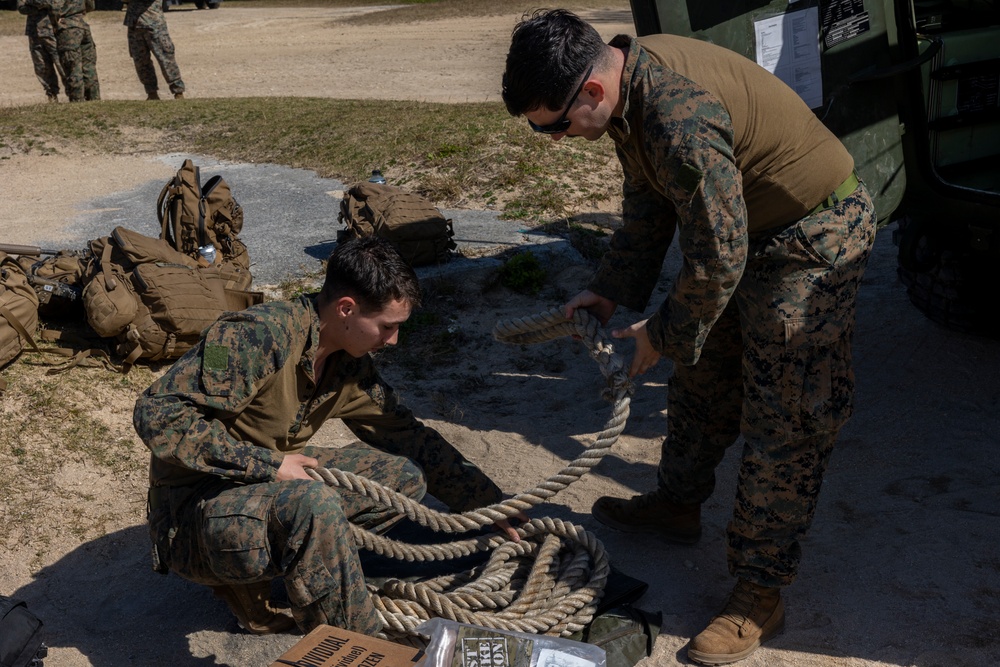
<point>414,226</point>
<point>18,311</point>
<point>193,215</point>
<point>58,282</point>
<point>153,300</point>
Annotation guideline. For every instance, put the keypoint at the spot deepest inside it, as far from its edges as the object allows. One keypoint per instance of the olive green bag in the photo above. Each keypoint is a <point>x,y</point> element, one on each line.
<point>193,214</point>
<point>626,634</point>
<point>152,299</point>
<point>58,282</point>
<point>18,312</point>
<point>414,226</point>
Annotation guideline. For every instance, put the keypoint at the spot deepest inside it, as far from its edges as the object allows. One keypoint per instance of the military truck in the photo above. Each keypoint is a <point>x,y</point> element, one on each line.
<point>200,4</point>
<point>912,88</point>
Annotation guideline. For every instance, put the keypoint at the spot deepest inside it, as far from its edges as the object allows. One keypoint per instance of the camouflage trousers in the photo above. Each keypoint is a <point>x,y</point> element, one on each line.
<point>141,44</point>
<point>78,55</point>
<point>225,533</point>
<point>45,59</point>
<point>776,368</point>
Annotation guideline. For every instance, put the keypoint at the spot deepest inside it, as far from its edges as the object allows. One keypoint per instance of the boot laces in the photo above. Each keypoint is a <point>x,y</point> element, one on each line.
<point>741,604</point>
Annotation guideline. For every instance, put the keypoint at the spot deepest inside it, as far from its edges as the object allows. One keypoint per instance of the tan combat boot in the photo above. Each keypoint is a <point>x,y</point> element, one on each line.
<point>251,603</point>
<point>752,615</point>
<point>651,513</point>
<point>178,96</point>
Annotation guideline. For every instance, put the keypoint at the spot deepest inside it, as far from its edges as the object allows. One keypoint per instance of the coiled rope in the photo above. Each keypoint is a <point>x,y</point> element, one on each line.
<point>548,583</point>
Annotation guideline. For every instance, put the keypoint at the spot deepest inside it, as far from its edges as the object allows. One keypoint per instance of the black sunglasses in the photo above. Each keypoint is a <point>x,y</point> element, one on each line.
<point>563,123</point>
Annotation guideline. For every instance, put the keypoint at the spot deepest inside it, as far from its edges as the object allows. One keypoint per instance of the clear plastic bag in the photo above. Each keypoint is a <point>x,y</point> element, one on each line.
<point>454,644</point>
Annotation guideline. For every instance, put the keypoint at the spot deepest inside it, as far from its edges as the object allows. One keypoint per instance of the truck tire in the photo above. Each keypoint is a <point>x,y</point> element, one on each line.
<point>950,284</point>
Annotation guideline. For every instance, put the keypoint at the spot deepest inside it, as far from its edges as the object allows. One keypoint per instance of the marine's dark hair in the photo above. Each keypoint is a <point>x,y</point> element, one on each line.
<point>550,50</point>
<point>369,270</point>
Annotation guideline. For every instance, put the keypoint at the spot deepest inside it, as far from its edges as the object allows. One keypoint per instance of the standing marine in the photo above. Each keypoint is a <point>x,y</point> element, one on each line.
<point>75,43</point>
<point>775,231</point>
<point>43,48</point>
<point>147,35</point>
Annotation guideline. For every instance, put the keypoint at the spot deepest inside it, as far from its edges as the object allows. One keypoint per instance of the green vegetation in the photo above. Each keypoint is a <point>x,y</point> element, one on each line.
<point>473,153</point>
<point>523,273</point>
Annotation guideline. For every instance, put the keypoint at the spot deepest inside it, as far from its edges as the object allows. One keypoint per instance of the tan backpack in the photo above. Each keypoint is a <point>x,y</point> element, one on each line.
<point>152,299</point>
<point>18,312</point>
<point>414,226</point>
<point>193,215</point>
<point>58,282</point>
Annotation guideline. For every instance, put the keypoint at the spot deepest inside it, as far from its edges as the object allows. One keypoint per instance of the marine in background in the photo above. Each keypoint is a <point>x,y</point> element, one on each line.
<point>43,49</point>
<point>75,43</point>
<point>148,36</point>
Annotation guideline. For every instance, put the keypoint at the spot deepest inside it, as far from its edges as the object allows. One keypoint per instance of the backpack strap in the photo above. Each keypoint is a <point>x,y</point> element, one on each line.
<point>75,358</point>
<point>168,212</point>
<point>161,212</point>
<point>19,327</point>
<point>23,332</point>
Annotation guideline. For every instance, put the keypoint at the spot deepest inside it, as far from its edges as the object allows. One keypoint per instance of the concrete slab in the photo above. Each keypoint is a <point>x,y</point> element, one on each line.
<point>290,221</point>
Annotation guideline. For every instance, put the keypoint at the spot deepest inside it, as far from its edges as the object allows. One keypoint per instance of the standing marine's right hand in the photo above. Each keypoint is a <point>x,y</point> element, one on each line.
<point>597,305</point>
<point>293,467</point>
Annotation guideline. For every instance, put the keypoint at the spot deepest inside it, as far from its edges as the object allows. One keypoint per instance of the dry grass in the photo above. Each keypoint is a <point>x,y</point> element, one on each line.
<point>60,431</point>
<point>459,155</point>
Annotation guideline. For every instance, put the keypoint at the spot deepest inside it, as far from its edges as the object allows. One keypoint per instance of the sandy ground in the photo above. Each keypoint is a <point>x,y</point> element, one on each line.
<point>902,566</point>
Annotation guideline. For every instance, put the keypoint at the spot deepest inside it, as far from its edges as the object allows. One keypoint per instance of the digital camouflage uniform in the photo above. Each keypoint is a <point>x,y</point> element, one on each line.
<point>147,34</point>
<point>42,46</point>
<point>760,317</point>
<point>77,51</point>
<point>218,424</point>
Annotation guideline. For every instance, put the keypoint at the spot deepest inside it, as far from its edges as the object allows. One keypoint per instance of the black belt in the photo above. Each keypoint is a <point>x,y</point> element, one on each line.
<point>843,191</point>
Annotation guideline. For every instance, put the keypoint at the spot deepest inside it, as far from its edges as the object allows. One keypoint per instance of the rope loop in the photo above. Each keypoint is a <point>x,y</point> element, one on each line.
<point>548,583</point>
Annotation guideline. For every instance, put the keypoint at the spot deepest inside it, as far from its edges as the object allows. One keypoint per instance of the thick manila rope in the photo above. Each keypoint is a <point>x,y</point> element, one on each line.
<point>548,583</point>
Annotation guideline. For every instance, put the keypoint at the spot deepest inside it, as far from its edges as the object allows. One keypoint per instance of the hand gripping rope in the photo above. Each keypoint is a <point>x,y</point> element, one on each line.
<point>548,583</point>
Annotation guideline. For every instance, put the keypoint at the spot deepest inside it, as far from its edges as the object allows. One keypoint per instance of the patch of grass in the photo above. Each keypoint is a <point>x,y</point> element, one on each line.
<point>293,288</point>
<point>455,154</point>
<point>590,240</point>
<point>53,424</point>
<point>523,273</point>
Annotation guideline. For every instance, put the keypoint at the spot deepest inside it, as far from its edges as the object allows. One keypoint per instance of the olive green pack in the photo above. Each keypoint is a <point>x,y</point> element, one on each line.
<point>414,226</point>
<point>153,300</point>
<point>18,312</point>
<point>193,214</point>
<point>58,282</point>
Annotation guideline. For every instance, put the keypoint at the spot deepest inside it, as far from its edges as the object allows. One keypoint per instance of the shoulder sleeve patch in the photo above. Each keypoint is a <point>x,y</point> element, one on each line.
<point>689,178</point>
<point>216,357</point>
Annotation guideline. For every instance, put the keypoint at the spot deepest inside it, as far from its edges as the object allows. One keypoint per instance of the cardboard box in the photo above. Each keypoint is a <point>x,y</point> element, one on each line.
<point>327,646</point>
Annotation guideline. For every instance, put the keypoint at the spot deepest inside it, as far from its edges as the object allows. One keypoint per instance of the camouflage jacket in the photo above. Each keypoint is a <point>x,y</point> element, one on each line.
<point>685,170</point>
<point>62,13</point>
<point>145,14</point>
<point>38,23</point>
<point>234,405</point>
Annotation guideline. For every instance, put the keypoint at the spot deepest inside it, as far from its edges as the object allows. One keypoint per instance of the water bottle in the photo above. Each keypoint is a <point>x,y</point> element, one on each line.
<point>377,177</point>
<point>207,252</point>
